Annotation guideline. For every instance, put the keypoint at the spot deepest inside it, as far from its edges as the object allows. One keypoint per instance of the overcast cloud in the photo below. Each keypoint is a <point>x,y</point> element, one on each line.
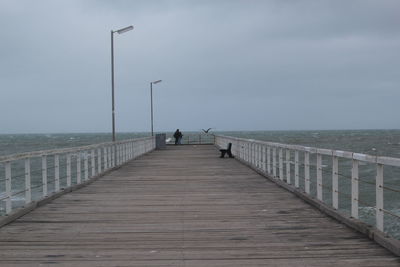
<point>232,65</point>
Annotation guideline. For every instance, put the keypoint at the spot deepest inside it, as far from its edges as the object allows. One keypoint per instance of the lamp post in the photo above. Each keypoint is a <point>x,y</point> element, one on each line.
<point>120,31</point>
<point>151,101</point>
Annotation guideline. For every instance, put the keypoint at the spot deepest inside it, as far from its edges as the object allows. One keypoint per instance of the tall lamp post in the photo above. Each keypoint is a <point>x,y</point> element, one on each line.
<point>151,101</point>
<point>120,31</point>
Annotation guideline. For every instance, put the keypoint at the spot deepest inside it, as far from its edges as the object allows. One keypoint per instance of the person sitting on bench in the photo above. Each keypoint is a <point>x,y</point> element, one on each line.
<point>227,151</point>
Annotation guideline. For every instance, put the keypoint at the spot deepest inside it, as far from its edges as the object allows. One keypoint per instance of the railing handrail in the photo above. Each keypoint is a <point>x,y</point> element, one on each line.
<point>39,153</point>
<point>390,161</point>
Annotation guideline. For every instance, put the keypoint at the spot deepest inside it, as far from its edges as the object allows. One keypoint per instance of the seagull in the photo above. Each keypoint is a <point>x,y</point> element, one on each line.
<point>206,131</point>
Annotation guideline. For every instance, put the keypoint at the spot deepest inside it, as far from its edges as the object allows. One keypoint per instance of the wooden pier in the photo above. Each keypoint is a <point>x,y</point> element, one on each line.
<point>184,206</point>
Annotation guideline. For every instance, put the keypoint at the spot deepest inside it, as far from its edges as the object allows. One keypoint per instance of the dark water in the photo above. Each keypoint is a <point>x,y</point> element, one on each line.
<point>18,143</point>
<point>373,142</point>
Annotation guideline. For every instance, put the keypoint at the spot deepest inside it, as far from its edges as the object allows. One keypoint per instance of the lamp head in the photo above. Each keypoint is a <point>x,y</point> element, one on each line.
<point>156,82</point>
<point>126,29</point>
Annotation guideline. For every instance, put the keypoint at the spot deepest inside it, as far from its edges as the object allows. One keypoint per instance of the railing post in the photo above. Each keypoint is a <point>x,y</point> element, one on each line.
<point>251,153</point>
<point>281,164</point>
<point>288,166</point>
<point>44,175</point>
<point>319,176</point>
<point>105,155</point>
<point>125,153</point>
<point>268,160</point>
<point>379,197</point>
<point>256,159</point>
<point>354,189</point>
<point>117,155</point>
<point>274,162</point>
<point>68,170</point>
<point>335,182</point>
<point>78,168</point>
<point>93,163</point>
<point>8,187</point>
<point>264,158</point>
<point>99,160</point>
<point>56,173</point>
<point>28,190</point>
<point>296,169</point>
<point>307,172</point>
<point>112,155</point>
<point>86,165</point>
<point>247,149</point>
<point>257,156</point>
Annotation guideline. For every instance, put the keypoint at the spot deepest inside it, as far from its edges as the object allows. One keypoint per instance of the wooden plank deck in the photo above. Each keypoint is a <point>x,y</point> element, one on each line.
<point>184,206</point>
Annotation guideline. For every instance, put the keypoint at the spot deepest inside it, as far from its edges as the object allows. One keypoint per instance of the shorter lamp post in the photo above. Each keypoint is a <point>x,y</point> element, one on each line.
<point>151,101</point>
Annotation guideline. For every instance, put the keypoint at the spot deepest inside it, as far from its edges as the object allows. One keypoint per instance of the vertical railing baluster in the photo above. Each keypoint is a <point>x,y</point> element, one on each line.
<point>307,172</point>
<point>68,170</point>
<point>319,176</point>
<point>105,166</point>
<point>93,163</point>
<point>44,175</point>
<point>335,182</point>
<point>264,158</point>
<point>8,187</point>
<point>113,150</point>
<point>109,154</point>
<point>281,164</point>
<point>56,173</point>
<point>255,155</point>
<point>257,158</point>
<point>86,165</point>
<point>379,197</point>
<point>274,162</point>
<point>28,190</point>
<point>354,189</point>
<point>251,153</point>
<point>115,156</point>
<point>288,166</point>
<point>99,160</point>
<point>247,148</point>
<point>296,169</point>
<point>268,160</point>
<point>78,168</point>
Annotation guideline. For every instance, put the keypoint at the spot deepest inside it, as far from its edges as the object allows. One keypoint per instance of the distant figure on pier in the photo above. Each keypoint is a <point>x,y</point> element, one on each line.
<point>178,137</point>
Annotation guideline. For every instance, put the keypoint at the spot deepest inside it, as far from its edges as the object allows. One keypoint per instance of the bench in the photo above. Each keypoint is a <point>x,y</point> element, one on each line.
<point>227,151</point>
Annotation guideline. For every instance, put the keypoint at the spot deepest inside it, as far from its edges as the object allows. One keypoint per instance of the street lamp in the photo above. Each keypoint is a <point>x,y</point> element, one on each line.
<point>120,31</point>
<point>151,100</point>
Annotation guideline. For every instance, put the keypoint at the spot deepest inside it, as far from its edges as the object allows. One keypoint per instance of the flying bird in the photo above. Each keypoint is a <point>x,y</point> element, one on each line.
<point>206,131</point>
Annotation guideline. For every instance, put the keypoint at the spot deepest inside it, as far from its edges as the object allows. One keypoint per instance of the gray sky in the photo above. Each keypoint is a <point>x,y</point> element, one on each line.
<point>232,65</point>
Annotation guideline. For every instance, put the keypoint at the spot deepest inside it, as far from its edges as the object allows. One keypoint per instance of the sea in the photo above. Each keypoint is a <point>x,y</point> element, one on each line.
<point>372,142</point>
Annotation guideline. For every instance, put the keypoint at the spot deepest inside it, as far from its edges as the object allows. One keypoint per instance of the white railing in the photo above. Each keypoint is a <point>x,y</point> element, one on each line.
<point>193,139</point>
<point>345,181</point>
<point>33,176</point>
